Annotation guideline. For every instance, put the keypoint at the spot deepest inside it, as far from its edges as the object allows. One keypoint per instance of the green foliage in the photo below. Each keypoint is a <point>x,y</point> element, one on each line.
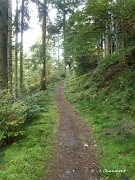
<point>15,112</point>
<point>89,29</point>
<point>105,98</point>
<point>27,158</point>
<point>34,105</point>
<point>12,114</point>
<point>63,75</point>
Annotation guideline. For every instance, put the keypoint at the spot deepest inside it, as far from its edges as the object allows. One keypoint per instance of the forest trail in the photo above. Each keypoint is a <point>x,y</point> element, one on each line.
<point>74,157</point>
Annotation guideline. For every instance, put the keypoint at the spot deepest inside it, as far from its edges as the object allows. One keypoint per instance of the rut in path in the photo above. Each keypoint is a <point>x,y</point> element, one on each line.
<point>75,155</point>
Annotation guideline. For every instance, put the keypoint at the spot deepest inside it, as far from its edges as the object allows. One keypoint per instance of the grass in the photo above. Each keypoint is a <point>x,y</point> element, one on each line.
<point>26,158</point>
<point>107,111</point>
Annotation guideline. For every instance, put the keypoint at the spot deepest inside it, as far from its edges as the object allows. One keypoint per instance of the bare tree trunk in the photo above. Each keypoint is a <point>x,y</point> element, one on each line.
<point>101,47</point>
<point>64,35</point>
<point>21,47</point>
<point>3,45</point>
<point>107,42</point>
<point>58,58</point>
<point>10,45</point>
<point>117,38</point>
<point>16,55</point>
<point>43,75</point>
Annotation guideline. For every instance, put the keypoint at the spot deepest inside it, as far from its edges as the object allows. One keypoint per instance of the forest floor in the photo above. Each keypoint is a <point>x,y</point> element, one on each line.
<point>74,152</point>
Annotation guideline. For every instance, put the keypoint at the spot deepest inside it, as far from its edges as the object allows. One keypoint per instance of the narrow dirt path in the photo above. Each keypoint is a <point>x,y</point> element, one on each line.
<point>75,155</point>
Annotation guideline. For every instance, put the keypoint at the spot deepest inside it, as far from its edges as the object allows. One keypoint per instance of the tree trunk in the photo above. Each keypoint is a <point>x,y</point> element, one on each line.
<point>107,42</point>
<point>101,47</point>
<point>117,38</point>
<point>21,47</point>
<point>64,35</point>
<point>3,44</point>
<point>43,75</point>
<point>16,55</point>
<point>10,46</point>
<point>58,58</point>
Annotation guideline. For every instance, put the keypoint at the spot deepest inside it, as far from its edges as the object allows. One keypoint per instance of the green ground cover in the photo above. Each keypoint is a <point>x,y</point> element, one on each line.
<point>109,111</point>
<point>26,158</point>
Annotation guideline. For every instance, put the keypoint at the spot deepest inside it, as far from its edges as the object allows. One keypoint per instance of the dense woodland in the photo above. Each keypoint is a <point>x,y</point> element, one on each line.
<point>91,42</point>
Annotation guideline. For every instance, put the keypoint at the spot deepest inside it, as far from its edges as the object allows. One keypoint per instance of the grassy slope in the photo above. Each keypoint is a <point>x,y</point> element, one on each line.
<point>26,159</point>
<point>106,100</point>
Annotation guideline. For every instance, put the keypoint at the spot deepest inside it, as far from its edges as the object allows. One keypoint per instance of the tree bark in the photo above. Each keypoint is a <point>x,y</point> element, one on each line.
<point>10,45</point>
<point>43,75</point>
<point>3,45</point>
<point>16,54</point>
<point>64,35</point>
<point>107,42</point>
<point>58,58</point>
<point>21,47</point>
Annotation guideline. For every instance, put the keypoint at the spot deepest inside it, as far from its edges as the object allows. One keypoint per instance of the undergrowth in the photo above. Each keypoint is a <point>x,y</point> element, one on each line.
<point>15,112</point>
<point>26,158</point>
<point>108,105</point>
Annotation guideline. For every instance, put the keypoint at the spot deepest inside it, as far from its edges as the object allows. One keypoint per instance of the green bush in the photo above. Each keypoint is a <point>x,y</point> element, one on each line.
<point>12,114</point>
<point>34,105</point>
<point>63,75</point>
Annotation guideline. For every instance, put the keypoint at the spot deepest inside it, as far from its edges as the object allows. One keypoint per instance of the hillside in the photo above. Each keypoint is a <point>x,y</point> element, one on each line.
<point>105,98</point>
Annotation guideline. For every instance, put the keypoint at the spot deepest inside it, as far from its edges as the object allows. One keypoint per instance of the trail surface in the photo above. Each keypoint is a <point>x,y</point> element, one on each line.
<point>75,155</point>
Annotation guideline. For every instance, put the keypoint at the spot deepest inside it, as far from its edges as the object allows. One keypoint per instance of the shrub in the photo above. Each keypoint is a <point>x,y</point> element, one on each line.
<point>34,106</point>
<point>12,114</point>
<point>15,112</point>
